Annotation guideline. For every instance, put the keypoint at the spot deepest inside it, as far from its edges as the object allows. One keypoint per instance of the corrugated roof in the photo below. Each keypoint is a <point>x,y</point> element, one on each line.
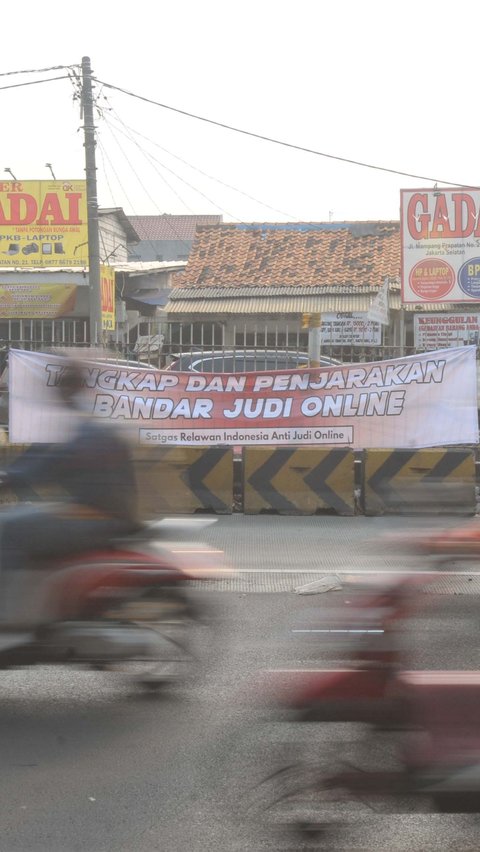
<point>149,265</point>
<point>125,221</point>
<point>286,304</point>
<point>355,254</point>
<point>169,227</point>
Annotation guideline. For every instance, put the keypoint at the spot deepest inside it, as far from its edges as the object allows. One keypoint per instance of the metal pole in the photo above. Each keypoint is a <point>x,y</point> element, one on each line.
<point>95,301</point>
<point>314,340</point>
<point>402,331</point>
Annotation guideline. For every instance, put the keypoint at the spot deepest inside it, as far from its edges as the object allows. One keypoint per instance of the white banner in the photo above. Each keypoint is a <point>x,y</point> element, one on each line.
<point>440,231</point>
<point>437,331</point>
<point>349,329</point>
<point>425,400</point>
<point>378,311</point>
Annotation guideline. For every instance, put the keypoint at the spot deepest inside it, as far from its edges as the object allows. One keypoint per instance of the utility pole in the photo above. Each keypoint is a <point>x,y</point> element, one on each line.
<point>95,300</point>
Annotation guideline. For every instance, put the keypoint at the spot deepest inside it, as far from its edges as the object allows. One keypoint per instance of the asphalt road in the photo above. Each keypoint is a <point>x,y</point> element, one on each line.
<point>91,765</point>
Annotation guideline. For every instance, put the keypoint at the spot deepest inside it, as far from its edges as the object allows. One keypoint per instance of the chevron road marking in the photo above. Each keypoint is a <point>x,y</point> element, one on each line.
<point>298,481</point>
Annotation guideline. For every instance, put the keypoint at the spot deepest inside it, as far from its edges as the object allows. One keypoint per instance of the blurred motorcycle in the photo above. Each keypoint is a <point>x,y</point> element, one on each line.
<point>442,546</point>
<point>128,606</point>
<point>430,717</point>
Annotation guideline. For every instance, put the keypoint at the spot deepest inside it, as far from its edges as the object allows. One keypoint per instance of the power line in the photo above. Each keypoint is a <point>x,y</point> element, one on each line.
<point>200,171</point>
<point>147,193</point>
<point>151,159</point>
<point>38,70</point>
<point>100,233</point>
<point>190,186</point>
<point>104,154</point>
<point>106,158</point>
<point>280,141</point>
<point>35,82</point>
<point>171,188</point>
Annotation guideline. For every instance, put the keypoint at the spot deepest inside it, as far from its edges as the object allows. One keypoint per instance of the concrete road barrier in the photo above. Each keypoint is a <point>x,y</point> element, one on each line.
<point>301,481</point>
<point>184,480</point>
<point>432,480</point>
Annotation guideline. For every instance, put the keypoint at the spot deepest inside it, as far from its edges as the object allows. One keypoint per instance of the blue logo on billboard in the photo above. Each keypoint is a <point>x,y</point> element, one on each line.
<point>469,278</point>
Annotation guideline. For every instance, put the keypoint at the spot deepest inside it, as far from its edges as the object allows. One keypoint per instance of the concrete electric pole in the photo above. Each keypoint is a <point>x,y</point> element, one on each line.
<point>95,300</point>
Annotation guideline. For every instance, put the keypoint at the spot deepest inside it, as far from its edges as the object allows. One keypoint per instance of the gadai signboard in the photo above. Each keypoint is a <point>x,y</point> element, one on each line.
<point>440,231</point>
<point>349,329</point>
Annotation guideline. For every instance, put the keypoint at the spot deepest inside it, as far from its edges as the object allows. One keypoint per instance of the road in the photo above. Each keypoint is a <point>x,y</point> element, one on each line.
<point>91,765</point>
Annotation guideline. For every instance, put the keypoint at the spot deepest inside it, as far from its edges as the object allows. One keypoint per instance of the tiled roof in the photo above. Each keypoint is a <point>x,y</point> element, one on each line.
<point>168,227</point>
<point>313,254</point>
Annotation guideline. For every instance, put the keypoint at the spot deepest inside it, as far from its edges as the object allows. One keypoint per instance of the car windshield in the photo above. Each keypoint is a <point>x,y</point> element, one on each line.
<point>243,361</point>
<point>239,363</point>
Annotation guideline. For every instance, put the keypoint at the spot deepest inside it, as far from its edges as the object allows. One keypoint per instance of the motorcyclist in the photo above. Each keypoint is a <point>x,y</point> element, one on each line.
<point>95,471</point>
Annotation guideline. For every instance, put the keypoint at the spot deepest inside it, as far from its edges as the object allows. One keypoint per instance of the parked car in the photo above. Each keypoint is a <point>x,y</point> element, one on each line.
<point>243,361</point>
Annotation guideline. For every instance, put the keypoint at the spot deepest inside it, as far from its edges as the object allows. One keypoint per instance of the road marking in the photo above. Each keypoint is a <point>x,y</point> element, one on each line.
<point>433,572</point>
<point>326,630</point>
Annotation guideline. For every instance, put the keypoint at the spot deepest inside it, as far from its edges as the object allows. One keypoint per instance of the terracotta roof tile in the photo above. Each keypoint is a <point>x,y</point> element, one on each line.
<point>301,254</point>
<point>169,227</point>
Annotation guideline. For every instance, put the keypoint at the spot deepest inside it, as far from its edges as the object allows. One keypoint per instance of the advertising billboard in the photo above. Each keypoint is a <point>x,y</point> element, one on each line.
<point>440,233</point>
<point>437,331</point>
<point>107,287</point>
<point>349,329</point>
<point>36,301</point>
<point>43,223</point>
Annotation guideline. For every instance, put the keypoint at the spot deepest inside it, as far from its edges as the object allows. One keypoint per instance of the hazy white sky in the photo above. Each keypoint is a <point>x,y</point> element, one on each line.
<point>388,82</point>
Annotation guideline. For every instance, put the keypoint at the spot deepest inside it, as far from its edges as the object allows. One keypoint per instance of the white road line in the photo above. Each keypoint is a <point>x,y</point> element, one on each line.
<point>360,571</point>
<point>325,630</point>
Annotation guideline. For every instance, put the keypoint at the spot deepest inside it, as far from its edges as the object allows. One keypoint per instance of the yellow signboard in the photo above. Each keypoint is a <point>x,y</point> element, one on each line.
<point>107,285</point>
<point>36,301</point>
<point>43,223</point>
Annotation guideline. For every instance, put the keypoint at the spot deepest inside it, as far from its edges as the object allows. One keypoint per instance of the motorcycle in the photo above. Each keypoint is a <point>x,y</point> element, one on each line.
<point>442,546</point>
<point>429,717</point>
<point>125,606</point>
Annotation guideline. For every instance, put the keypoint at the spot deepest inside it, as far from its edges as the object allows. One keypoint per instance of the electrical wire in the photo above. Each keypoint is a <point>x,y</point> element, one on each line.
<point>150,157</point>
<point>105,156</point>
<point>147,193</point>
<point>281,142</point>
<point>102,154</point>
<point>38,70</point>
<point>172,228</point>
<point>35,82</point>
<point>200,171</point>
<point>167,220</point>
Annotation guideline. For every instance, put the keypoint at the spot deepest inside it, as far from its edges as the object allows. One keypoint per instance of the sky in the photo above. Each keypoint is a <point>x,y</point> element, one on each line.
<point>387,82</point>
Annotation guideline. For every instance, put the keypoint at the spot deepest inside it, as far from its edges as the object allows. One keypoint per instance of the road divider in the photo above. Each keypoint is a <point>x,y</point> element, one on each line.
<point>184,480</point>
<point>294,481</point>
<point>411,481</point>
<point>288,480</point>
